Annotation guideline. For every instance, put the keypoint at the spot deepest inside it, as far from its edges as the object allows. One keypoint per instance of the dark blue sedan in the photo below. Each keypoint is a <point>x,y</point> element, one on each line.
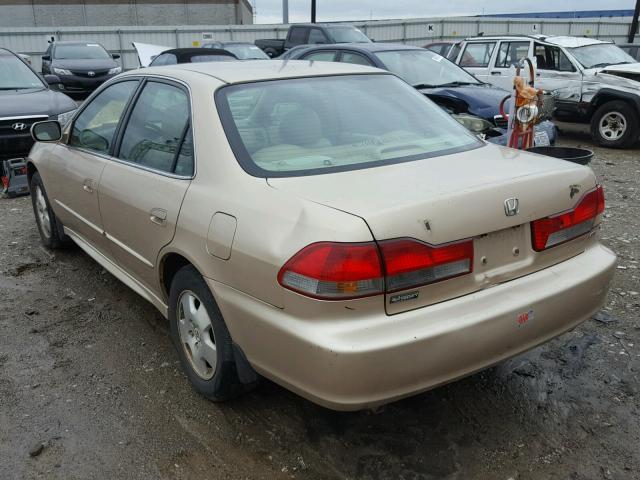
<point>471,102</point>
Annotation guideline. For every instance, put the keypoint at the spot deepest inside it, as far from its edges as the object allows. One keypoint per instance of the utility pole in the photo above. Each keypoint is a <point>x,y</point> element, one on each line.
<point>633,29</point>
<point>313,11</point>
<point>285,11</point>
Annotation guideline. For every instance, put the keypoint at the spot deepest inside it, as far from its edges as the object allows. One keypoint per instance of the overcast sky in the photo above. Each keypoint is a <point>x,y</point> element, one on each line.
<point>270,11</point>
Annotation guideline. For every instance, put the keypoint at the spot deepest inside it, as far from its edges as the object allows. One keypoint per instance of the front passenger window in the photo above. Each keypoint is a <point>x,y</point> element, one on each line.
<point>95,127</point>
<point>157,127</point>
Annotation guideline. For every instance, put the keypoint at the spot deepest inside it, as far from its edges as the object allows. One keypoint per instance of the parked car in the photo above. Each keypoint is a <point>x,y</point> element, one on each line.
<point>312,34</point>
<point>322,224</point>
<point>633,49</point>
<point>81,66</point>
<point>242,50</point>
<point>25,98</point>
<point>191,55</point>
<point>473,103</point>
<point>595,81</point>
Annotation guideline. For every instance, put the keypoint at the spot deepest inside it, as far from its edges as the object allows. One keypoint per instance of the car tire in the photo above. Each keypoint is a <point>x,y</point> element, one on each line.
<point>615,125</point>
<point>50,228</point>
<point>201,337</point>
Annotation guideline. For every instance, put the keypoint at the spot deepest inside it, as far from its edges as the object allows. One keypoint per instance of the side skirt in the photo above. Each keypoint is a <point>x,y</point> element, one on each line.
<point>119,273</point>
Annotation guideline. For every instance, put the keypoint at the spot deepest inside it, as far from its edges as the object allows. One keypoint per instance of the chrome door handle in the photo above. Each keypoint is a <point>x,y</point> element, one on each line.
<point>158,216</point>
<point>87,185</point>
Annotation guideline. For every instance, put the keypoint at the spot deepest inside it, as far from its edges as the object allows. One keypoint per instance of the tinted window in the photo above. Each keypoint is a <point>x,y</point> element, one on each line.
<point>96,125</point>
<point>14,74</point>
<point>350,57</point>
<point>80,51</point>
<point>298,35</point>
<point>156,127</point>
<point>511,53</point>
<point>324,56</point>
<point>324,124</point>
<point>317,36</point>
<point>164,59</point>
<point>477,54</point>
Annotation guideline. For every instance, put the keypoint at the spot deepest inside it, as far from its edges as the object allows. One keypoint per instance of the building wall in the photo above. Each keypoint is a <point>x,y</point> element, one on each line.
<point>72,13</point>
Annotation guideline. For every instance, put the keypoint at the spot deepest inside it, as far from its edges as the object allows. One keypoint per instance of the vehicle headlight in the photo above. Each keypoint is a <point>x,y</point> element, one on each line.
<point>115,70</point>
<point>62,71</point>
<point>473,123</point>
<point>63,118</point>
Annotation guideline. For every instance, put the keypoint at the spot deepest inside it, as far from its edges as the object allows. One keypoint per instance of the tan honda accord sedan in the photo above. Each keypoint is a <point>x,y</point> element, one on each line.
<point>321,224</point>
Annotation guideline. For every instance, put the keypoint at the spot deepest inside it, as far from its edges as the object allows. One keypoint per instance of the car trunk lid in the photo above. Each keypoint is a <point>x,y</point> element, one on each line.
<point>455,197</point>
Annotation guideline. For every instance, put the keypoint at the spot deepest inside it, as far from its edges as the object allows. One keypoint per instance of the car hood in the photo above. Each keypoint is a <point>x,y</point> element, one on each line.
<point>84,65</point>
<point>482,101</point>
<point>34,102</point>
<point>625,67</point>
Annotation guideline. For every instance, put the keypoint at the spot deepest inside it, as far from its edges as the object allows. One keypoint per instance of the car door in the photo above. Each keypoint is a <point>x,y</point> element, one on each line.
<point>554,69</point>
<point>142,188</point>
<point>476,58</point>
<point>509,53</point>
<point>73,172</point>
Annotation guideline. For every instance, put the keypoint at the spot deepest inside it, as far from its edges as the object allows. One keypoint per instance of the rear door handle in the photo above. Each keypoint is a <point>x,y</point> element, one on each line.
<point>496,73</point>
<point>158,216</point>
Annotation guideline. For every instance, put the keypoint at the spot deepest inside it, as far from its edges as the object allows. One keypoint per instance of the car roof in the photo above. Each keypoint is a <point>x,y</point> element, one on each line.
<point>257,70</point>
<point>364,47</point>
<point>75,42</point>
<point>560,40</point>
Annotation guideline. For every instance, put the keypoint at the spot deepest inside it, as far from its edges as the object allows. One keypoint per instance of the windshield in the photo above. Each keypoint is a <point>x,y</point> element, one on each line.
<point>15,75</point>
<point>80,51</point>
<point>601,55</point>
<point>347,35</point>
<point>325,124</point>
<point>246,52</point>
<point>424,68</point>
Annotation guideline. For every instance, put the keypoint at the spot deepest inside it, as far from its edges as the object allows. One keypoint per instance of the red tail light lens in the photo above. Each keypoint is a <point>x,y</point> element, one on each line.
<point>551,231</point>
<point>338,271</point>
<point>334,271</point>
<point>410,263</point>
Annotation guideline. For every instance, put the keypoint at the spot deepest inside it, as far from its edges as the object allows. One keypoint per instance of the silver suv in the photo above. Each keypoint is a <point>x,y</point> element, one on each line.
<point>595,81</point>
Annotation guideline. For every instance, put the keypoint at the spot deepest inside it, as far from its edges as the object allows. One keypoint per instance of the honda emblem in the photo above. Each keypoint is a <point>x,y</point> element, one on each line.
<point>511,206</point>
<point>18,127</point>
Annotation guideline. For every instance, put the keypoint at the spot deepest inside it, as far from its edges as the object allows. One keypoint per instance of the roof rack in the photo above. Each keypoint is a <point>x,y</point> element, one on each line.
<point>517,35</point>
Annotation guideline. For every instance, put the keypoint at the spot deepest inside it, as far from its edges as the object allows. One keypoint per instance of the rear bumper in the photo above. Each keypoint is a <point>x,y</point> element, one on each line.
<point>374,359</point>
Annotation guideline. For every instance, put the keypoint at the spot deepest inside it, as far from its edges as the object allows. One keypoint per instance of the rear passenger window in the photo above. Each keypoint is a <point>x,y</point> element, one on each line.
<point>96,125</point>
<point>511,53</point>
<point>324,56</point>
<point>298,35</point>
<point>348,57</point>
<point>157,128</point>
<point>317,36</point>
<point>477,54</point>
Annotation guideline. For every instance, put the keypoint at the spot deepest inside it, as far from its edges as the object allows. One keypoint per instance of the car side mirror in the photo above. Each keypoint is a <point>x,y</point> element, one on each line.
<point>46,58</point>
<point>49,131</point>
<point>90,139</point>
<point>52,80</point>
<point>116,56</point>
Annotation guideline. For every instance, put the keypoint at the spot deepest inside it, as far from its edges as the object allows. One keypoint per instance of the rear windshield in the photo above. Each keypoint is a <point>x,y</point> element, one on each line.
<point>319,125</point>
<point>84,51</point>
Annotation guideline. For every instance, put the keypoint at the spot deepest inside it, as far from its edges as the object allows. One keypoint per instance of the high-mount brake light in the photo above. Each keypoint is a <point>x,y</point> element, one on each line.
<point>555,230</point>
<point>339,271</point>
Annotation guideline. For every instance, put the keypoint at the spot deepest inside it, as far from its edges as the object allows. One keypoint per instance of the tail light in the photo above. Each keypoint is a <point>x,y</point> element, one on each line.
<point>551,231</point>
<point>338,271</point>
<point>409,263</point>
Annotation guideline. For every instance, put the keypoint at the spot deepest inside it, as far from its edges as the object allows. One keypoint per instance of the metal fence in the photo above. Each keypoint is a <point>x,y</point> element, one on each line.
<point>33,41</point>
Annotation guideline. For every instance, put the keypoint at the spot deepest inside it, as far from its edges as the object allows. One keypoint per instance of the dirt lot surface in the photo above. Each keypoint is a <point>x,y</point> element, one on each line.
<point>90,386</point>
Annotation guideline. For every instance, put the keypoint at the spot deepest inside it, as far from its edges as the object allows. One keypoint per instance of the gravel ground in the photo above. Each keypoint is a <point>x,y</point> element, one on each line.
<point>90,386</point>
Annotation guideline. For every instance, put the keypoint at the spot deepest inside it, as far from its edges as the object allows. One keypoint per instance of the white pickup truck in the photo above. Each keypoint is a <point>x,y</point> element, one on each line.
<point>595,82</point>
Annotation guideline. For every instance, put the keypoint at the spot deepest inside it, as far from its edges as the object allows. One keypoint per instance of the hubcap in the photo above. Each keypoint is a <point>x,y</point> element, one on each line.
<point>613,126</point>
<point>42,213</point>
<point>196,335</point>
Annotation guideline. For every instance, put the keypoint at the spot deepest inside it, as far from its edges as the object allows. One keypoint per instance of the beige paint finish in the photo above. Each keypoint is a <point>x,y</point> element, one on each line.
<point>239,230</point>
